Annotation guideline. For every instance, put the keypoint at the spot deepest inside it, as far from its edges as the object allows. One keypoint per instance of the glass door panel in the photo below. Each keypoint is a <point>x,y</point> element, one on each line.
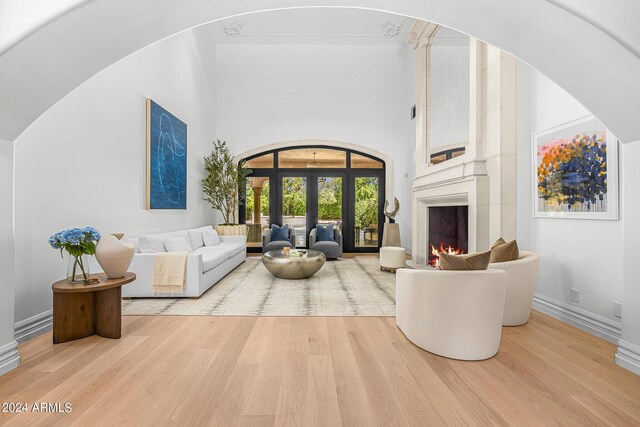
<point>330,200</point>
<point>366,212</point>
<point>256,209</point>
<point>294,206</point>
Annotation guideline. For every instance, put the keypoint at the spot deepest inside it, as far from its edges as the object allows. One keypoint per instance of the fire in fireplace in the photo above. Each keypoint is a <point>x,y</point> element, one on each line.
<point>448,231</point>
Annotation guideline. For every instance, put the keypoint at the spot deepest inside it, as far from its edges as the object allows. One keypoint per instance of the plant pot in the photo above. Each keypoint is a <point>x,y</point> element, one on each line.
<point>78,269</point>
<point>232,230</point>
<point>114,255</point>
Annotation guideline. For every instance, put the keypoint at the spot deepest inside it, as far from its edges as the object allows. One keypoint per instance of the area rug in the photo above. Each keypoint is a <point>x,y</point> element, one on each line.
<point>347,287</point>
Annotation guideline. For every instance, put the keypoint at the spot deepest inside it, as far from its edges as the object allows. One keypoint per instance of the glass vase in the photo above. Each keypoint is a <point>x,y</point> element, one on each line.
<point>78,269</point>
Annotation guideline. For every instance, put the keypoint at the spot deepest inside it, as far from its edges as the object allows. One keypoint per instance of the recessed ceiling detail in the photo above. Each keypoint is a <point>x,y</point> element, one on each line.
<point>389,30</point>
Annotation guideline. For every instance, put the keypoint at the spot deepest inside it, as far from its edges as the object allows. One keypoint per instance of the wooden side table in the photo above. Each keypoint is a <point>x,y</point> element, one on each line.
<point>83,310</point>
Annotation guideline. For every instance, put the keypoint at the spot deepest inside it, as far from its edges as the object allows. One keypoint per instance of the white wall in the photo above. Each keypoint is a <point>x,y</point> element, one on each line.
<point>9,358</point>
<point>629,350</point>
<point>354,94</point>
<point>83,161</point>
<point>580,254</point>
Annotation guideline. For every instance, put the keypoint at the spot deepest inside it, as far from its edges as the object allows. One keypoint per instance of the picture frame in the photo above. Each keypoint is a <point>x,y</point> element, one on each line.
<point>575,171</point>
<point>166,159</point>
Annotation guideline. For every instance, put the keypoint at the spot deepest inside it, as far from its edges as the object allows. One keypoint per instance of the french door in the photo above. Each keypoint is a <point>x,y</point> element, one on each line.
<point>305,199</point>
<point>366,211</point>
<point>348,193</point>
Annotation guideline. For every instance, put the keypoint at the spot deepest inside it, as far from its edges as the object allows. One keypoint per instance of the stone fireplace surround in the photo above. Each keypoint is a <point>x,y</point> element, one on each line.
<point>463,184</point>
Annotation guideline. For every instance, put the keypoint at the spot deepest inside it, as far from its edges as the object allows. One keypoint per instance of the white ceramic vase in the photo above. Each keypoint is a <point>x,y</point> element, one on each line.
<point>114,255</point>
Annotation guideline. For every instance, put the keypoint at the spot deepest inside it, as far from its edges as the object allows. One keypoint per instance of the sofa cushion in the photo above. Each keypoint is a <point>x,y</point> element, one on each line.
<point>329,249</point>
<point>177,244</point>
<point>210,250</point>
<point>325,233</point>
<point>212,259</point>
<point>479,261</point>
<point>232,248</point>
<point>279,233</point>
<point>210,237</point>
<point>135,242</point>
<point>195,234</point>
<point>150,245</point>
<point>165,236</point>
<point>503,251</point>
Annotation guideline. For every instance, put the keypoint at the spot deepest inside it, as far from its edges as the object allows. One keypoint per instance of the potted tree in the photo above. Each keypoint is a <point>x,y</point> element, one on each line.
<point>221,187</point>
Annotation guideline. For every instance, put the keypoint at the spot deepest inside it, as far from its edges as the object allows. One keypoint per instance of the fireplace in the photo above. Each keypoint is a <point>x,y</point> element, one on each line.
<point>448,231</point>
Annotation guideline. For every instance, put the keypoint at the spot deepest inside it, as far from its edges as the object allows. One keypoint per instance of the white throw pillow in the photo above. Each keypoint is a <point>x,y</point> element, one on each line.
<point>195,236</point>
<point>211,238</point>
<point>147,245</point>
<point>177,244</point>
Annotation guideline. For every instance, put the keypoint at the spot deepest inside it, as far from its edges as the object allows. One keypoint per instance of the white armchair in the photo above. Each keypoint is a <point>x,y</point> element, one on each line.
<point>455,314</point>
<point>522,276</point>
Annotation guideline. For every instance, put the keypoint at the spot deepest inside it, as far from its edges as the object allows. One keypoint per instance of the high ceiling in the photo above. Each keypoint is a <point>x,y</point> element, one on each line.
<point>333,26</point>
<point>63,48</point>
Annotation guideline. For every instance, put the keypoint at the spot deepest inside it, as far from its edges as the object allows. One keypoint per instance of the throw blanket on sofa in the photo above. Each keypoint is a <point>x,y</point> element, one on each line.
<point>169,270</point>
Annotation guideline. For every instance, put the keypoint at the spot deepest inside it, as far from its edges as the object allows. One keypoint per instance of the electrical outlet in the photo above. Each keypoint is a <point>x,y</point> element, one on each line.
<point>575,295</point>
<point>617,309</point>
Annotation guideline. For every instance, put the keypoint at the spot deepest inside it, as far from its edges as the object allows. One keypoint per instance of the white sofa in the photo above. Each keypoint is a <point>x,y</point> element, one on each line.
<point>455,314</point>
<point>522,275</point>
<point>206,265</point>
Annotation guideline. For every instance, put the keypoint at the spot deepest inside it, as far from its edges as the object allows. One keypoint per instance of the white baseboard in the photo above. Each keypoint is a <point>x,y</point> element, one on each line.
<point>33,326</point>
<point>9,357</point>
<point>597,325</point>
<point>628,356</point>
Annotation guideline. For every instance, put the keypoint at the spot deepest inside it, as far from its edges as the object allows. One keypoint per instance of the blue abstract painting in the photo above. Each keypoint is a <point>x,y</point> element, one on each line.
<point>166,159</point>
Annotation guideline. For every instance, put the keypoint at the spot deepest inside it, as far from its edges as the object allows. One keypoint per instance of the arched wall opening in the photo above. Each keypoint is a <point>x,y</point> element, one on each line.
<point>608,92</point>
<point>81,42</point>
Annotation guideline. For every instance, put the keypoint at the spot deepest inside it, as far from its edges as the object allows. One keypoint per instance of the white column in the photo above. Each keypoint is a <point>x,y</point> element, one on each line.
<point>9,357</point>
<point>628,355</point>
<point>499,142</point>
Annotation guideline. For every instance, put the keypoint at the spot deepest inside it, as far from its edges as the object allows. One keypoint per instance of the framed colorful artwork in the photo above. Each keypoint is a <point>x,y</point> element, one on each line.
<point>575,171</point>
<point>166,159</point>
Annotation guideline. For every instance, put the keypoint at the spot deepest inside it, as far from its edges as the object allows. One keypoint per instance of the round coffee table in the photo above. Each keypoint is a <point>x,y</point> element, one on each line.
<point>293,266</point>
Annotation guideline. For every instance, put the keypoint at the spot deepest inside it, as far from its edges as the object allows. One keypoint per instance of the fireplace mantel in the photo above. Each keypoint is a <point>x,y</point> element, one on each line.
<point>449,172</point>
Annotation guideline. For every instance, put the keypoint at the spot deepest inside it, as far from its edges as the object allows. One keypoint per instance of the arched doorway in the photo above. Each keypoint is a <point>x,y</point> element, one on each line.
<point>315,184</point>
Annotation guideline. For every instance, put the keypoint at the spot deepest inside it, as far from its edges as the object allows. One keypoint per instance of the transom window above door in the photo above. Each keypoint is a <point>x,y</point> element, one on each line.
<point>321,158</point>
<point>313,157</point>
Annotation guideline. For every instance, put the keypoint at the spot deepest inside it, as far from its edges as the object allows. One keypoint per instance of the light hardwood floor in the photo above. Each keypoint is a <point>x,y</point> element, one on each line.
<point>357,371</point>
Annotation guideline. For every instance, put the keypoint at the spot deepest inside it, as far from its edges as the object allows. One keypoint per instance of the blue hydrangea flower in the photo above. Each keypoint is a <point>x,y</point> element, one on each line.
<point>54,242</point>
<point>92,232</point>
<point>74,237</point>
